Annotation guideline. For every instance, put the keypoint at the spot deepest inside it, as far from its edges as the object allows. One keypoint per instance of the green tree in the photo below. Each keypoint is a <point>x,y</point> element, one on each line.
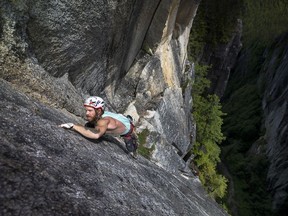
<point>208,116</point>
<point>264,19</point>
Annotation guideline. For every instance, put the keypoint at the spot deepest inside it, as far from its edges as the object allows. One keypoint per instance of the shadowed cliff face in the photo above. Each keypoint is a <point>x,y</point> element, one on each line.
<point>46,170</point>
<point>222,59</point>
<point>260,78</point>
<point>275,105</point>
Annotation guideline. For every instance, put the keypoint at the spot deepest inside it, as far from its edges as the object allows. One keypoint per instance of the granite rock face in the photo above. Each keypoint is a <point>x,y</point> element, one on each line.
<point>47,170</point>
<point>271,81</point>
<point>275,105</point>
<point>132,53</point>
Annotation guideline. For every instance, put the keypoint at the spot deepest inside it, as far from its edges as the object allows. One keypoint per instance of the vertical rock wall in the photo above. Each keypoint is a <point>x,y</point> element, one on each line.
<point>275,105</point>
<point>159,97</point>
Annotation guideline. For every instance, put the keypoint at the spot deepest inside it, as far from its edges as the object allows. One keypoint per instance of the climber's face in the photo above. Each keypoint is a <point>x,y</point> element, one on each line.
<point>90,113</point>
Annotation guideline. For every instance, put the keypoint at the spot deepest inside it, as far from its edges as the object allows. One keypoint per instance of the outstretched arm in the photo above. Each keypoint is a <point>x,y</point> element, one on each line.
<point>92,133</point>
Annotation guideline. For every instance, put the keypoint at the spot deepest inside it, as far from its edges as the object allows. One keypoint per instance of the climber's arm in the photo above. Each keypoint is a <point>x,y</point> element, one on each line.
<point>92,133</point>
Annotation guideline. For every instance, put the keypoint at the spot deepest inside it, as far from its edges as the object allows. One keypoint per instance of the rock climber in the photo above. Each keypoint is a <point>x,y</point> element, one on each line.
<point>102,122</point>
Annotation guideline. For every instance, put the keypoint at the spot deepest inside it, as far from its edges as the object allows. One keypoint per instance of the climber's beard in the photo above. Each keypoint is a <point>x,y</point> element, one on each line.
<point>90,119</point>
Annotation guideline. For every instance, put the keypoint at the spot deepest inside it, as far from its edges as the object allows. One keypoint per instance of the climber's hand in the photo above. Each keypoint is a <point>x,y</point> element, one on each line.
<point>67,125</point>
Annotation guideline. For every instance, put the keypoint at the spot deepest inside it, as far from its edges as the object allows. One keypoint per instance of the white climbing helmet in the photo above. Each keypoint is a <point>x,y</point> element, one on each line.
<point>95,102</point>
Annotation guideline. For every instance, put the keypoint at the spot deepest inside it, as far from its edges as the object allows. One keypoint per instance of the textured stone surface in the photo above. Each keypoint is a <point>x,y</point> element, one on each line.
<point>162,107</point>
<point>272,82</point>
<point>20,67</point>
<point>46,170</point>
<point>128,53</point>
<point>275,105</point>
<point>133,54</point>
